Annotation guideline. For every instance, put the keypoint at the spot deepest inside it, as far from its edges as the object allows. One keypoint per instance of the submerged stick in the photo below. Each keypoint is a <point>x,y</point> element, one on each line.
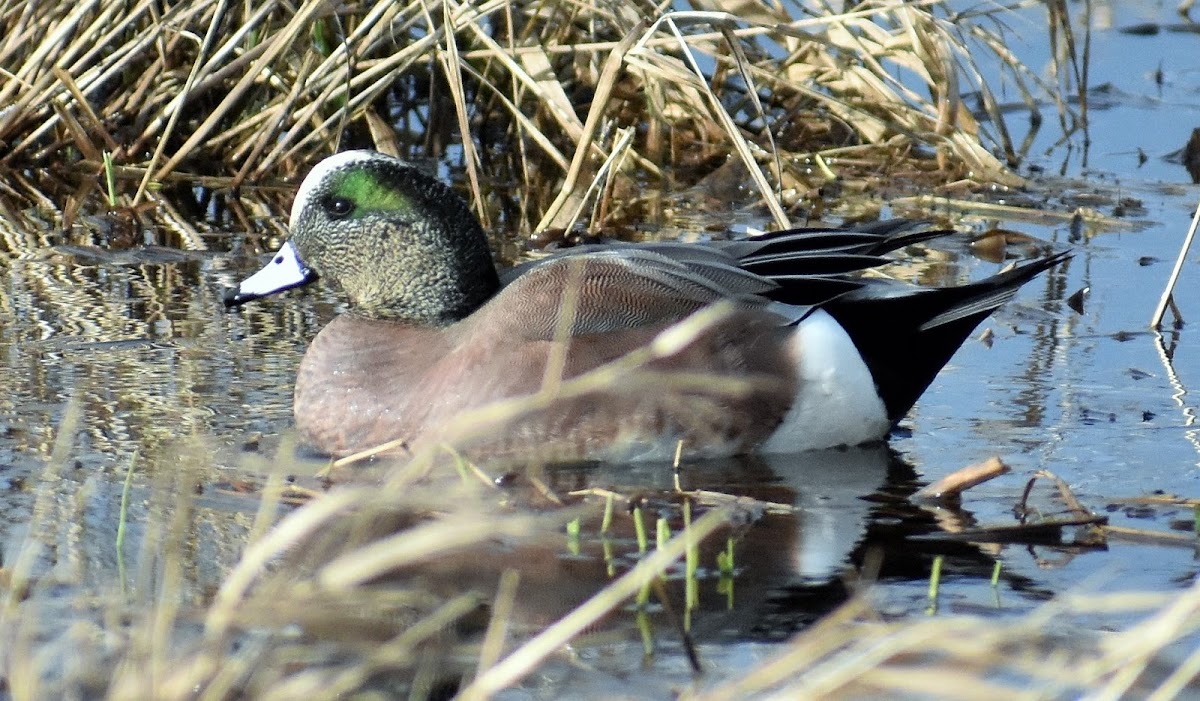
<point>956,483</point>
<point>1161,309</point>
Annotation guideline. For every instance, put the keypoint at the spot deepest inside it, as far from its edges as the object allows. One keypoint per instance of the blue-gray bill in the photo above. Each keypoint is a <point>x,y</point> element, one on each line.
<point>284,272</point>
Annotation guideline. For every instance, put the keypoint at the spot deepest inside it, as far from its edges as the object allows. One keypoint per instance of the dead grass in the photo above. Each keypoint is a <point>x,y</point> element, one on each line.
<point>329,604</point>
<point>527,97</point>
<point>381,589</point>
<point>1044,654</point>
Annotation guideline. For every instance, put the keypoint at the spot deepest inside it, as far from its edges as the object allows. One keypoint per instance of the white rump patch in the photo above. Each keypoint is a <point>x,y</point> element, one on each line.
<point>836,402</point>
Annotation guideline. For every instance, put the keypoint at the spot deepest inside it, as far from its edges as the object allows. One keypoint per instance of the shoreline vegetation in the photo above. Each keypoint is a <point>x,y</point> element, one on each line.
<point>557,115</point>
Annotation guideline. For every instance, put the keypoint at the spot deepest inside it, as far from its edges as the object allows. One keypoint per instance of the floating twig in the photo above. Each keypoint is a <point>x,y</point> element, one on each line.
<point>954,484</point>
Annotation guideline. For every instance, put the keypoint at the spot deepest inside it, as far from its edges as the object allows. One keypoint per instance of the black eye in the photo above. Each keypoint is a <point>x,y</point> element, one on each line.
<point>339,207</point>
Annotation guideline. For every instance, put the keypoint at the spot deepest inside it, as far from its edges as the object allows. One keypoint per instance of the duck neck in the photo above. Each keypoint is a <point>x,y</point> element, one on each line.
<point>458,285</point>
<point>467,290</point>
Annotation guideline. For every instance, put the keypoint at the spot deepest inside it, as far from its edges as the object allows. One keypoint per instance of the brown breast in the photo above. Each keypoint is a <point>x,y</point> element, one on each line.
<point>365,382</point>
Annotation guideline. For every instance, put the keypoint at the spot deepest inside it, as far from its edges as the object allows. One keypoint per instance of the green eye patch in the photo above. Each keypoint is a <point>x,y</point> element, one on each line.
<point>369,194</point>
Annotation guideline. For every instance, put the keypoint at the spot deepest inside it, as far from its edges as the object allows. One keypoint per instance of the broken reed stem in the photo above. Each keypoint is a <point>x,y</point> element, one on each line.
<point>1168,291</point>
<point>957,482</point>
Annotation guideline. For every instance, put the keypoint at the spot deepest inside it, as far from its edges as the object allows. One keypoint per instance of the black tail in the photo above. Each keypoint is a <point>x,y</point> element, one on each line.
<point>907,335</point>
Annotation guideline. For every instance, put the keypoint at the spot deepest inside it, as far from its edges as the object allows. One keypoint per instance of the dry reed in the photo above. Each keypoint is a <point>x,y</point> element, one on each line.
<point>385,592</point>
<point>529,97</point>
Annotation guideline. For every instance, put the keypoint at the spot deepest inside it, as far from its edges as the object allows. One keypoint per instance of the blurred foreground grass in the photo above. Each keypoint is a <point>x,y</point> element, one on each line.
<point>434,583</point>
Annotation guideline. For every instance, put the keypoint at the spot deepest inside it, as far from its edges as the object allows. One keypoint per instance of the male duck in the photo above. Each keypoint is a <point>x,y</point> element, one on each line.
<point>801,357</point>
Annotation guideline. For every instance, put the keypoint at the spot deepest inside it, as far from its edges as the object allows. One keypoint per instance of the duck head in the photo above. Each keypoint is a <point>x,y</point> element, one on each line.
<point>401,244</point>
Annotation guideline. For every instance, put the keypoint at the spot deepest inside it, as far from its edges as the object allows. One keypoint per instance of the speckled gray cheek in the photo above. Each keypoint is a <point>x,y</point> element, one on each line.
<point>315,245</point>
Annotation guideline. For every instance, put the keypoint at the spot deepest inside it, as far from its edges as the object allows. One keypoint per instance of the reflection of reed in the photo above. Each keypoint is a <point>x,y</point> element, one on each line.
<point>1052,345</point>
<point>140,335</point>
<point>1179,391</point>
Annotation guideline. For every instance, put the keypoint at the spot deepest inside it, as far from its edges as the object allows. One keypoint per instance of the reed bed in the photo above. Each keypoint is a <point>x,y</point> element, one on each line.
<point>572,108</point>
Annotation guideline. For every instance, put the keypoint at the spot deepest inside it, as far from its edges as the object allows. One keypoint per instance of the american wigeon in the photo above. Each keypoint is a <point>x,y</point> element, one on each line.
<point>799,356</point>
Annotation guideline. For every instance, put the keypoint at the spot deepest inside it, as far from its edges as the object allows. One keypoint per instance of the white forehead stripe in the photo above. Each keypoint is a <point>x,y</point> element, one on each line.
<point>316,177</point>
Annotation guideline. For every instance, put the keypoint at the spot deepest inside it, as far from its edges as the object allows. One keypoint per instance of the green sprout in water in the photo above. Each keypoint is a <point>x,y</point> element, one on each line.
<point>606,523</point>
<point>573,529</point>
<point>935,581</point>
<point>646,630</point>
<point>725,567</point>
<point>692,560</point>
<point>639,526</point>
<point>725,559</point>
<point>996,583</point>
<point>610,565</point>
<point>110,179</point>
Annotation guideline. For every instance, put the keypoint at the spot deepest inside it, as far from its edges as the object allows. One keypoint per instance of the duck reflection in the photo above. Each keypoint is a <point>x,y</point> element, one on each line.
<point>804,530</point>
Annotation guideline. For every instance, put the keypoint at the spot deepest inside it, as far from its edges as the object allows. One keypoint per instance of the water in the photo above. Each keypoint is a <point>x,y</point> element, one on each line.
<point>138,340</point>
